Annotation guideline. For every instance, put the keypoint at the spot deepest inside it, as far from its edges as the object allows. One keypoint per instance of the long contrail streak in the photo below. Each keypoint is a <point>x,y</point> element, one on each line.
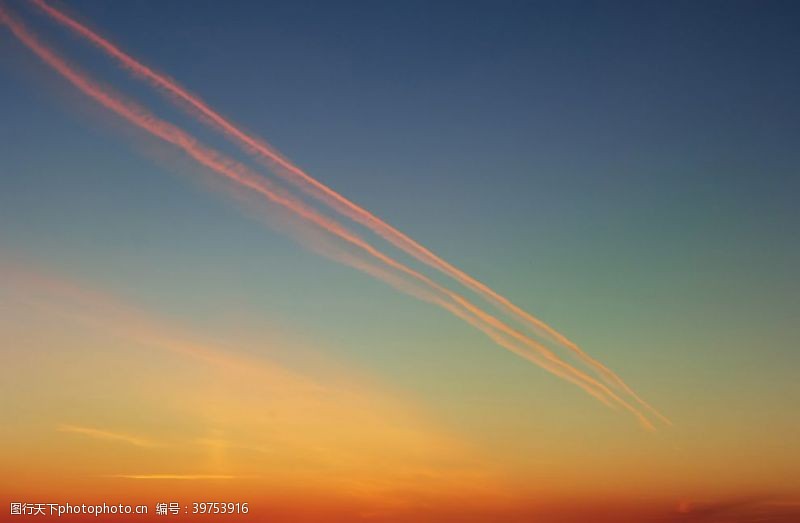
<point>236,172</point>
<point>335,200</point>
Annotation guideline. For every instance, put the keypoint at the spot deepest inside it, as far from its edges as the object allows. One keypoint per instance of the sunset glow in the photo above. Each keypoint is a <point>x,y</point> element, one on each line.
<point>527,262</point>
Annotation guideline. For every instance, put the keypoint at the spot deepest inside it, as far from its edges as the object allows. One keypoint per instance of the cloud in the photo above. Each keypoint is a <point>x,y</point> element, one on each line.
<point>182,477</point>
<point>95,433</point>
<point>753,509</point>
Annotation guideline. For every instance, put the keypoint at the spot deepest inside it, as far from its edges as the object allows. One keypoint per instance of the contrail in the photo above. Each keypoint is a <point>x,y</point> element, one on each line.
<point>239,174</point>
<point>335,200</point>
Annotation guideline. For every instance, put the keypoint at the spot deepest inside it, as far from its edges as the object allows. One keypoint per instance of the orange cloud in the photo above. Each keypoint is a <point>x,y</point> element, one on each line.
<point>106,435</point>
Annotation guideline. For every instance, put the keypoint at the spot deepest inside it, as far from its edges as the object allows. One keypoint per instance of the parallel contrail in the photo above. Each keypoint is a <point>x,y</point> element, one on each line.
<point>458,305</point>
<point>335,200</point>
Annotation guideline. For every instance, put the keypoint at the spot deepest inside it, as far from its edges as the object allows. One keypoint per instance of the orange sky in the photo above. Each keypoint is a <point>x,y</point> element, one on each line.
<point>204,337</point>
<point>131,408</point>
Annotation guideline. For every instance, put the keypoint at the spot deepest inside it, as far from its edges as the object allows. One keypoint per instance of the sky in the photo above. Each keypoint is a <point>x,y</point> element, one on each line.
<point>624,171</point>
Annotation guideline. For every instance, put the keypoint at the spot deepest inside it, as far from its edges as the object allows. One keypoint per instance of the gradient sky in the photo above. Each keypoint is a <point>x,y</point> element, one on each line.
<point>627,171</point>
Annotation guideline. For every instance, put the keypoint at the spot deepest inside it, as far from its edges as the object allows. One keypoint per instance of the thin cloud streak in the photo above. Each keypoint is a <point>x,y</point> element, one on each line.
<point>239,174</point>
<point>100,310</point>
<point>337,201</point>
<point>189,477</point>
<point>107,435</point>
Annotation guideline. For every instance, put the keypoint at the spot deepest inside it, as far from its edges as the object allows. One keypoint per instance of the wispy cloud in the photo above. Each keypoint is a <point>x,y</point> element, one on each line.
<point>175,476</point>
<point>103,434</point>
<point>737,510</point>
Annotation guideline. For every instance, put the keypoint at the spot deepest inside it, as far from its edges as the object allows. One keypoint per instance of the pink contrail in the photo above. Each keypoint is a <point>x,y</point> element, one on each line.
<point>241,175</point>
<point>335,200</point>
